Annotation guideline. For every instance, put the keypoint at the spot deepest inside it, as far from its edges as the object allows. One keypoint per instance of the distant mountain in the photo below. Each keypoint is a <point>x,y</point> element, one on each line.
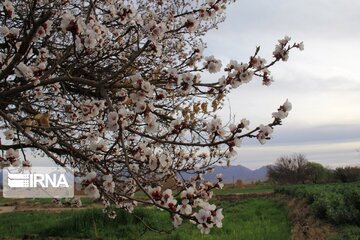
<point>233,173</point>
<point>261,173</point>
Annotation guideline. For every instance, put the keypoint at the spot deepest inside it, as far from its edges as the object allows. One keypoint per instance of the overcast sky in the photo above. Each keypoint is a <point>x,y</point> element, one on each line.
<point>322,82</point>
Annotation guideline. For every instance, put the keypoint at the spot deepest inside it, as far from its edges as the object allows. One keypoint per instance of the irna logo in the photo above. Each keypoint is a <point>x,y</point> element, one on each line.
<point>33,180</point>
<point>46,182</point>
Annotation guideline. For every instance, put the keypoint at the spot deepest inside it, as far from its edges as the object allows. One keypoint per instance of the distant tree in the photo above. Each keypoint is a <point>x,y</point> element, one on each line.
<point>289,169</point>
<point>317,173</point>
<point>347,174</point>
<point>297,169</point>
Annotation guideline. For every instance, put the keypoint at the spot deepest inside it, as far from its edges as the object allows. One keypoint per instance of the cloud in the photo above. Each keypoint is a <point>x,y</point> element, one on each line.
<point>331,154</point>
<point>302,134</point>
<point>323,18</point>
<point>331,145</point>
<point>326,27</point>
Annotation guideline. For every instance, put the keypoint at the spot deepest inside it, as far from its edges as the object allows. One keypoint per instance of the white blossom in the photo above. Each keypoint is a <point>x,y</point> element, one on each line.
<point>67,20</point>
<point>9,134</point>
<point>287,106</point>
<point>23,71</point>
<point>14,33</point>
<point>91,176</point>
<point>185,207</point>
<point>4,31</point>
<point>92,191</point>
<point>9,8</point>
<point>264,133</point>
<point>13,157</point>
<point>301,46</point>
<point>245,123</point>
<point>212,65</point>
<point>218,217</point>
<point>176,220</point>
<point>203,216</point>
<point>204,228</point>
<point>109,185</point>
<point>215,126</point>
<point>190,23</point>
<point>156,30</point>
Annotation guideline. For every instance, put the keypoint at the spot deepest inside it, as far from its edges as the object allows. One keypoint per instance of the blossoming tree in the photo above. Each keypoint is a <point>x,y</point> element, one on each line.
<point>114,89</point>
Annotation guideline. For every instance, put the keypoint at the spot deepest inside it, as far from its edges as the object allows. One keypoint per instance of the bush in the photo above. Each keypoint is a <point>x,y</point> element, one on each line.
<point>338,203</point>
<point>347,174</point>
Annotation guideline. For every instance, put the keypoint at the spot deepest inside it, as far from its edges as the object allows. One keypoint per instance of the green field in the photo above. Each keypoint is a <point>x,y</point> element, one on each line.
<point>251,219</point>
<point>253,188</point>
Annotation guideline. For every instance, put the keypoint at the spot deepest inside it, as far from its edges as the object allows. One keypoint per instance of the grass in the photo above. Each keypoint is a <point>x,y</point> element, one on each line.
<point>36,201</point>
<point>231,189</point>
<point>347,232</point>
<point>253,188</point>
<point>251,219</point>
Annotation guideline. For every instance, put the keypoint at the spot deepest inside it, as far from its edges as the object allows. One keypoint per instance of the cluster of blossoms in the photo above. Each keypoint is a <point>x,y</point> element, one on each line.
<point>193,203</point>
<point>90,181</point>
<point>266,131</point>
<point>89,35</point>
<point>117,119</point>
<point>212,65</point>
<point>283,111</point>
<point>282,50</point>
<point>239,74</point>
<point>155,30</point>
<point>115,91</point>
<point>12,157</point>
<point>215,127</point>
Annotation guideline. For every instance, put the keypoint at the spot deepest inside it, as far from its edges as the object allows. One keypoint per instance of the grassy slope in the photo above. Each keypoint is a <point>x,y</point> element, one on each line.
<point>251,219</point>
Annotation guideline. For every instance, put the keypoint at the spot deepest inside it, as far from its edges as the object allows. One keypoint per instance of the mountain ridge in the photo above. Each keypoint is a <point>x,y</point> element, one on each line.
<point>238,172</point>
<point>235,172</point>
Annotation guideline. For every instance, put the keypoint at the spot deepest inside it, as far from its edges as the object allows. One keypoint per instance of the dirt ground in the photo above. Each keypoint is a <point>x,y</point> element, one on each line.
<point>7,209</point>
<point>305,226</point>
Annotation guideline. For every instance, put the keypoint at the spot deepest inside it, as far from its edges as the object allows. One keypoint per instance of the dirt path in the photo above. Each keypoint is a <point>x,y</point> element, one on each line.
<point>7,209</point>
<point>305,226</point>
<point>26,208</point>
